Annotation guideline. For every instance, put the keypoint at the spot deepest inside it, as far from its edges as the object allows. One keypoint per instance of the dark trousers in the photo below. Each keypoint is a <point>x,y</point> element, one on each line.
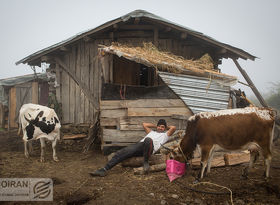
<point>139,149</point>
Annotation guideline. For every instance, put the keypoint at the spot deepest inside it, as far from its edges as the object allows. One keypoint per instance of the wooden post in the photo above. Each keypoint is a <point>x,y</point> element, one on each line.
<point>250,82</point>
<point>35,93</point>
<point>12,108</point>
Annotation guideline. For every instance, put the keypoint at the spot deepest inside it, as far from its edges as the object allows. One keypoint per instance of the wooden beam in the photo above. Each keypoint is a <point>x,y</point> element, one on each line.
<point>250,82</point>
<point>83,87</point>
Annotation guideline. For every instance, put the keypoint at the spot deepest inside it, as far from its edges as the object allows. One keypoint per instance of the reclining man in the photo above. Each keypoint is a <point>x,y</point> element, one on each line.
<point>147,146</point>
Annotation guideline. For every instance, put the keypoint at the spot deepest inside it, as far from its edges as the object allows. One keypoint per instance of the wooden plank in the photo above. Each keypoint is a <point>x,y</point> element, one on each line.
<point>114,135</point>
<point>157,111</point>
<point>12,108</point>
<point>131,127</point>
<point>72,87</point>
<point>77,136</point>
<point>217,161</point>
<point>58,79</point>
<point>87,77</point>
<point>139,120</point>
<point>82,79</point>
<point>144,103</point>
<point>113,113</point>
<point>106,121</point>
<point>35,93</point>
<point>236,158</point>
<point>65,91</point>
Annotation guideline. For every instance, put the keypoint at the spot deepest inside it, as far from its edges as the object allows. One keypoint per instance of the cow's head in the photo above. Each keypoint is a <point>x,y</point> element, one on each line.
<point>180,154</point>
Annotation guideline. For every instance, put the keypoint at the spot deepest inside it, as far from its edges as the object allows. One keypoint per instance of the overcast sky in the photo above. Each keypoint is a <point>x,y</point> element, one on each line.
<point>252,25</point>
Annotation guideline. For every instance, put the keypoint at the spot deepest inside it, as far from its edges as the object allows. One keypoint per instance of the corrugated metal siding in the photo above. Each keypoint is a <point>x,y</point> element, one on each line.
<point>200,94</point>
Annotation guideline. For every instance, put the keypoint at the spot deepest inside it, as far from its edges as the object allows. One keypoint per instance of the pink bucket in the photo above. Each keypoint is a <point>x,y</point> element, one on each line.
<point>174,169</point>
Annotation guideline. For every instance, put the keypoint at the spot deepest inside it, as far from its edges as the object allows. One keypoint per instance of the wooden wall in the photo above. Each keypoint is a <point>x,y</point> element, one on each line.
<point>82,61</point>
<point>19,95</point>
<point>121,120</point>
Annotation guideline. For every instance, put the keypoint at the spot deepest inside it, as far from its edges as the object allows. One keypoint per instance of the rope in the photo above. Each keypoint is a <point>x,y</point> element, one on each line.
<point>182,153</point>
<point>208,192</point>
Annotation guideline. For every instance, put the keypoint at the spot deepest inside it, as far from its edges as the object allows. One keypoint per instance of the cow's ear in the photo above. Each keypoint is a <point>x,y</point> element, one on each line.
<point>56,120</point>
<point>41,113</point>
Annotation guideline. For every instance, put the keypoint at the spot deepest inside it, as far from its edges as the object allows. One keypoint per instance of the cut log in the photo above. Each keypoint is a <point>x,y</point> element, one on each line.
<point>217,161</point>
<point>138,161</point>
<point>153,168</point>
<point>74,137</point>
<point>236,158</point>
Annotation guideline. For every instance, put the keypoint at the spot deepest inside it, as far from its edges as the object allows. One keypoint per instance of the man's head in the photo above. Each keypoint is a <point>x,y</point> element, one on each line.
<point>161,125</point>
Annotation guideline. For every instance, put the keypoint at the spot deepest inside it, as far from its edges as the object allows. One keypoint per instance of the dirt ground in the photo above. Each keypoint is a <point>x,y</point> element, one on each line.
<point>73,185</point>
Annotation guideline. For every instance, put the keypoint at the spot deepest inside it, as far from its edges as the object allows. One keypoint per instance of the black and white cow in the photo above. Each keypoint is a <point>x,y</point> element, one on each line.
<point>39,122</point>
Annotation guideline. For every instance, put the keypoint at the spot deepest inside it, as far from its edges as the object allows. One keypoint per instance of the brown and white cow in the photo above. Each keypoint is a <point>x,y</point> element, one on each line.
<point>39,122</point>
<point>232,129</point>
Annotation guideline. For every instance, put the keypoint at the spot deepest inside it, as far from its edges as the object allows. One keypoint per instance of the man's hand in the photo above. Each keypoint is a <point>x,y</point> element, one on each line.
<point>171,129</point>
<point>147,126</point>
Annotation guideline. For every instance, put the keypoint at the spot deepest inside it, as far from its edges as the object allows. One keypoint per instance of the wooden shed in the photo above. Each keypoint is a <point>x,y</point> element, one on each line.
<point>20,90</point>
<point>139,67</point>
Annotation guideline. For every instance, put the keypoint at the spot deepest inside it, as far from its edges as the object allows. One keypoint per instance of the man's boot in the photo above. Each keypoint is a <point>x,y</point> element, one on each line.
<point>102,172</point>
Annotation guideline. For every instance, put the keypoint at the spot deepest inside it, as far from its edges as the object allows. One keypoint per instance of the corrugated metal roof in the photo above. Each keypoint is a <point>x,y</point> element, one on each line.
<point>200,94</point>
<point>22,79</point>
<point>137,14</point>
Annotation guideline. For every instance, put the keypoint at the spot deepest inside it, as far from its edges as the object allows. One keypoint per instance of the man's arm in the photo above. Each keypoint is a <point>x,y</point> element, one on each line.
<point>147,126</point>
<point>171,129</point>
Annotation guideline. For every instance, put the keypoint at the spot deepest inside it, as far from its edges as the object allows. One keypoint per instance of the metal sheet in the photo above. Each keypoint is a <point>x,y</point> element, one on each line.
<point>200,94</point>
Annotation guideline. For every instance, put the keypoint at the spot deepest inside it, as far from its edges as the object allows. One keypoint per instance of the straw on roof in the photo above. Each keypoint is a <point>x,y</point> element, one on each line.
<point>149,55</point>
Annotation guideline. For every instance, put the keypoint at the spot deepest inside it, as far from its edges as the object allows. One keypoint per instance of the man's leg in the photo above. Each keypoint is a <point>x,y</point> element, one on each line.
<point>147,152</point>
<point>121,155</point>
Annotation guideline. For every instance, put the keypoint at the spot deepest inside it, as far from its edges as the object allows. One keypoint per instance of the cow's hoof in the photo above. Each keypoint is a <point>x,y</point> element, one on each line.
<point>27,155</point>
<point>42,160</point>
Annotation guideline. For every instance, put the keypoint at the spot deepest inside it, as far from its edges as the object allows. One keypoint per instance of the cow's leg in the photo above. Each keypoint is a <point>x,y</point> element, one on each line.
<point>254,154</point>
<point>267,160</point>
<point>26,153</point>
<point>30,146</point>
<point>211,154</point>
<point>55,158</point>
<point>204,159</point>
<point>43,147</point>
